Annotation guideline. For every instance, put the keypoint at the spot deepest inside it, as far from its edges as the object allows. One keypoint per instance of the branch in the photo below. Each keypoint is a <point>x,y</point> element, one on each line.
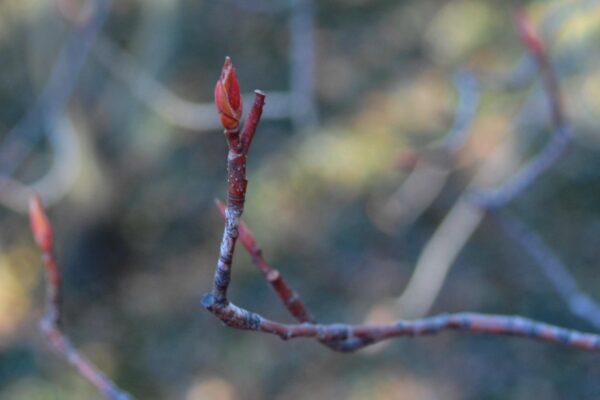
<point>236,317</point>
<point>579,302</point>
<point>290,299</point>
<point>51,323</point>
<point>555,148</point>
<point>288,296</point>
<point>239,318</point>
<point>229,106</point>
<point>355,337</point>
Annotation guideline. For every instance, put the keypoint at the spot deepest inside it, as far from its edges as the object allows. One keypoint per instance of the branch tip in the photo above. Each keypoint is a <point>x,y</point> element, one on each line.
<point>228,98</point>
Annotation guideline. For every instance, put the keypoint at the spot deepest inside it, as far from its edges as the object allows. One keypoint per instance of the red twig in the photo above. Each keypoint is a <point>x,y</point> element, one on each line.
<point>51,323</point>
<point>290,299</point>
<point>350,337</point>
<point>288,296</point>
<point>229,106</point>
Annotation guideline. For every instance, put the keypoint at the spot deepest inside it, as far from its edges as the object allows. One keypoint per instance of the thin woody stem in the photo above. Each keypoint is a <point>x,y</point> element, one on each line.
<point>478,323</point>
<point>288,296</point>
<point>236,193</point>
<point>290,299</point>
<point>51,323</point>
<point>342,336</point>
<point>239,318</point>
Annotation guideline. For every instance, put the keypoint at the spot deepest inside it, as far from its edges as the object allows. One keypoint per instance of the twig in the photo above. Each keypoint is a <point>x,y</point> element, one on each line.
<point>579,302</point>
<point>51,323</point>
<point>239,318</point>
<point>555,148</point>
<point>291,300</point>
<point>288,296</point>
<point>229,107</point>
<point>360,336</point>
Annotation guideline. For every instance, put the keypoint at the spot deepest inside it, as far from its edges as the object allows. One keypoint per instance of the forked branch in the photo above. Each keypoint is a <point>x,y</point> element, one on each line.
<point>352,336</point>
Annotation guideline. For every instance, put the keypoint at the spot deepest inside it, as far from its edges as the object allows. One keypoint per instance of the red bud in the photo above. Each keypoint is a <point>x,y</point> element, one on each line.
<point>227,96</point>
<point>529,36</point>
<point>40,226</point>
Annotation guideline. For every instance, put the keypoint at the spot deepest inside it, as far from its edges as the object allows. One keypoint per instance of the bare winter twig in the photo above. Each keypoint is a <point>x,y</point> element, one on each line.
<point>229,107</point>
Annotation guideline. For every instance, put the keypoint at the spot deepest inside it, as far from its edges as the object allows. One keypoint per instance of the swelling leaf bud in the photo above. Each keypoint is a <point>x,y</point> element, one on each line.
<point>228,98</point>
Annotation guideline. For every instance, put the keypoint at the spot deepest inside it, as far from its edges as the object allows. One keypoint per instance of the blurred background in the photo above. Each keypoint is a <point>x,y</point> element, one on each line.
<point>381,117</point>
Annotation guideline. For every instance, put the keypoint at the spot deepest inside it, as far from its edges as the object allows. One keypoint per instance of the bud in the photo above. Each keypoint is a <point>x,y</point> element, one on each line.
<point>40,226</point>
<point>529,36</point>
<point>227,97</point>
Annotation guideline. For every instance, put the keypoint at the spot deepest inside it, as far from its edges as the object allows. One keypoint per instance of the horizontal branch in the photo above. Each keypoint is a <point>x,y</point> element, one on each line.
<point>239,318</point>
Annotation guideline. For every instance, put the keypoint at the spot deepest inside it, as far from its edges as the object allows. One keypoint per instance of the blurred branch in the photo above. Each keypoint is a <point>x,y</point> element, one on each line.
<point>428,177</point>
<point>463,219</point>
<point>18,142</point>
<point>557,146</point>
<point>51,323</point>
<point>436,259</point>
<point>579,303</point>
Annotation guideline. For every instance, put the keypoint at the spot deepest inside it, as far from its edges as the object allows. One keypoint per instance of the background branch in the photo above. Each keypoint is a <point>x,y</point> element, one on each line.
<point>51,323</point>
